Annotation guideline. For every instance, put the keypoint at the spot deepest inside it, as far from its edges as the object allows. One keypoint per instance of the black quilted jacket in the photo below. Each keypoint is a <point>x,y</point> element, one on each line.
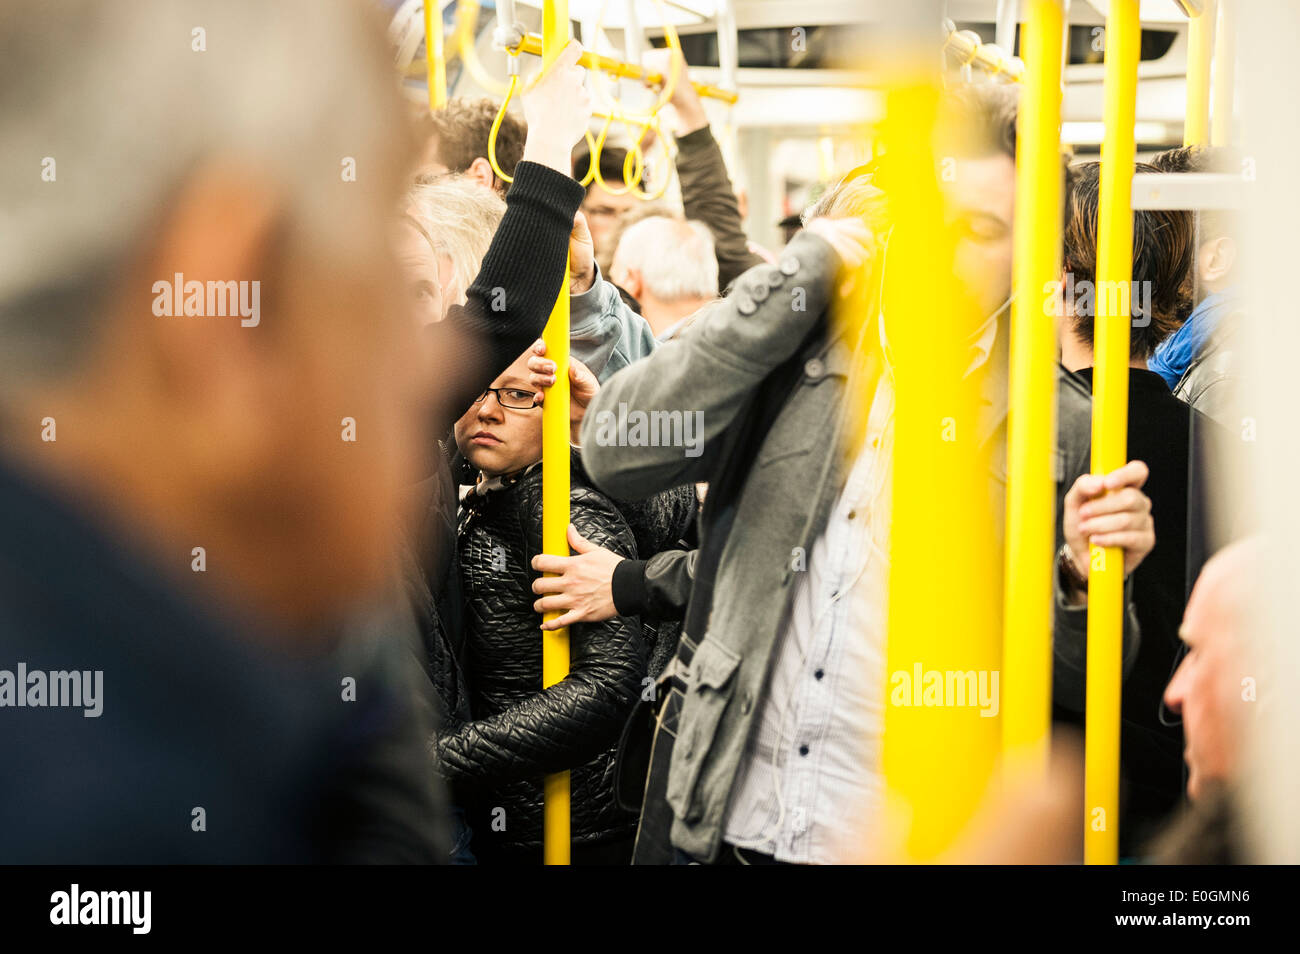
<point>519,731</point>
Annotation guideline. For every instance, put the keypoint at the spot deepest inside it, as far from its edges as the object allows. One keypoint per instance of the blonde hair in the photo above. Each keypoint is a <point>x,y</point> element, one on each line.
<point>459,216</point>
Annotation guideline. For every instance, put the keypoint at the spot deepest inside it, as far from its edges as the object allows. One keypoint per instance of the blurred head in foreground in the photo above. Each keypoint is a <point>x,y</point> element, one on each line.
<point>196,290</point>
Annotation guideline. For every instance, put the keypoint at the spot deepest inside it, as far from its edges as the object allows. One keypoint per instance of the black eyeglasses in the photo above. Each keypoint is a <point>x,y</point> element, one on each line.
<point>517,399</point>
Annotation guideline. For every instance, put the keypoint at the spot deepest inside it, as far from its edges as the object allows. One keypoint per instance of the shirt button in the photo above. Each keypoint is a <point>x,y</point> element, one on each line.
<point>803,750</point>
<point>819,673</point>
<point>853,514</point>
<point>746,704</point>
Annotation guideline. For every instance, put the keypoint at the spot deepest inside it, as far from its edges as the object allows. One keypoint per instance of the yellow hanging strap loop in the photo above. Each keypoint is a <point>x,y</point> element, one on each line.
<point>595,146</point>
<point>496,123</point>
<point>595,163</point>
<point>616,69</point>
<point>658,193</point>
<point>593,150</point>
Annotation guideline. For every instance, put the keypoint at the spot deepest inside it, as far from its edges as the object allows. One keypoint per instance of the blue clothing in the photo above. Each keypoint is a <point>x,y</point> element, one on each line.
<point>199,743</point>
<point>604,333</point>
<point>1180,349</point>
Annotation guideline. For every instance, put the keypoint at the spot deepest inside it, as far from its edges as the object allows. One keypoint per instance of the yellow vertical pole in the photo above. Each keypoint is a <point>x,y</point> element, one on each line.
<point>1225,65</point>
<point>944,586</point>
<point>1031,427</point>
<point>555,483</point>
<point>435,58</point>
<point>1200,46</point>
<point>1110,429</point>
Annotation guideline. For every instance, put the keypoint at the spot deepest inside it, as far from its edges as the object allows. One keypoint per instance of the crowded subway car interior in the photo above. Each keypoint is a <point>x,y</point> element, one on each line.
<point>655,432</point>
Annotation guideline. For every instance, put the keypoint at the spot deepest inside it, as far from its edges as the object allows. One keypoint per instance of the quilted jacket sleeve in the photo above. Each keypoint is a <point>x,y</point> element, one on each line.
<point>579,717</point>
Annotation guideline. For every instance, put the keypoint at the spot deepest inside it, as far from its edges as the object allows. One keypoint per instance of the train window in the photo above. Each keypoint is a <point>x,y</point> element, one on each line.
<point>1085,42</point>
<point>840,46</point>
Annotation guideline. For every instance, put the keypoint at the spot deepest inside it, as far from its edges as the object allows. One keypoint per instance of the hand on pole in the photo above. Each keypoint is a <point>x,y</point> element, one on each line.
<point>557,108</point>
<point>1110,510</point>
<point>582,257</point>
<point>583,385</point>
<point>582,587</point>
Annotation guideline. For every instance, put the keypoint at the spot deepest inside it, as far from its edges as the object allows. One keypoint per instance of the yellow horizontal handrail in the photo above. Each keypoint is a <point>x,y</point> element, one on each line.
<point>532,44</point>
<point>967,45</point>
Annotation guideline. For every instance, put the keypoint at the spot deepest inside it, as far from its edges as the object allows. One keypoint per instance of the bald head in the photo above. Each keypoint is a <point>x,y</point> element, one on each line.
<point>1207,689</point>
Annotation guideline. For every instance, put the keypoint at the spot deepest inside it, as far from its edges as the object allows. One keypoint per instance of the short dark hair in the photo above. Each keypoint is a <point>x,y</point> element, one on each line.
<point>611,165</point>
<point>1211,223</point>
<point>463,127</point>
<point>1162,255</point>
<point>1181,159</point>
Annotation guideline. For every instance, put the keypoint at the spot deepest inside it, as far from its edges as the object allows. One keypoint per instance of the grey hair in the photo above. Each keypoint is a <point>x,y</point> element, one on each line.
<point>460,216</point>
<point>675,257</point>
<point>107,109</point>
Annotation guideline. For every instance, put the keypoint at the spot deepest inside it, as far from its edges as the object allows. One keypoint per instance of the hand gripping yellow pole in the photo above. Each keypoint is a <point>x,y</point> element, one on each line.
<point>1200,46</point>
<point>435,58</point>
<point>945,627</point>
<point>555,484</point>
<point>1110,430</point>
<point>1031,428</point>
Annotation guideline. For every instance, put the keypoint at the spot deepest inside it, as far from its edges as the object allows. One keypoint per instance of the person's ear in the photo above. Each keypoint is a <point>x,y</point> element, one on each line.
<point>212,370</point>
<point>480,170</point>
<point>1060,305</point>
<point>632,283</point>
<point>1217,258</point>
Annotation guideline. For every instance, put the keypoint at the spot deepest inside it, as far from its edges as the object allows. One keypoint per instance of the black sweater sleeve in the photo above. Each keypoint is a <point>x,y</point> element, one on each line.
<point>510,300</point>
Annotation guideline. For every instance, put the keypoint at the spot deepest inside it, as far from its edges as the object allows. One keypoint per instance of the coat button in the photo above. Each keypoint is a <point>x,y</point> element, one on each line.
<point>814,368</point>
<point>746,704</point>
<point>789,265</point>
<point>760,292</point>
<point>745,304</point>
